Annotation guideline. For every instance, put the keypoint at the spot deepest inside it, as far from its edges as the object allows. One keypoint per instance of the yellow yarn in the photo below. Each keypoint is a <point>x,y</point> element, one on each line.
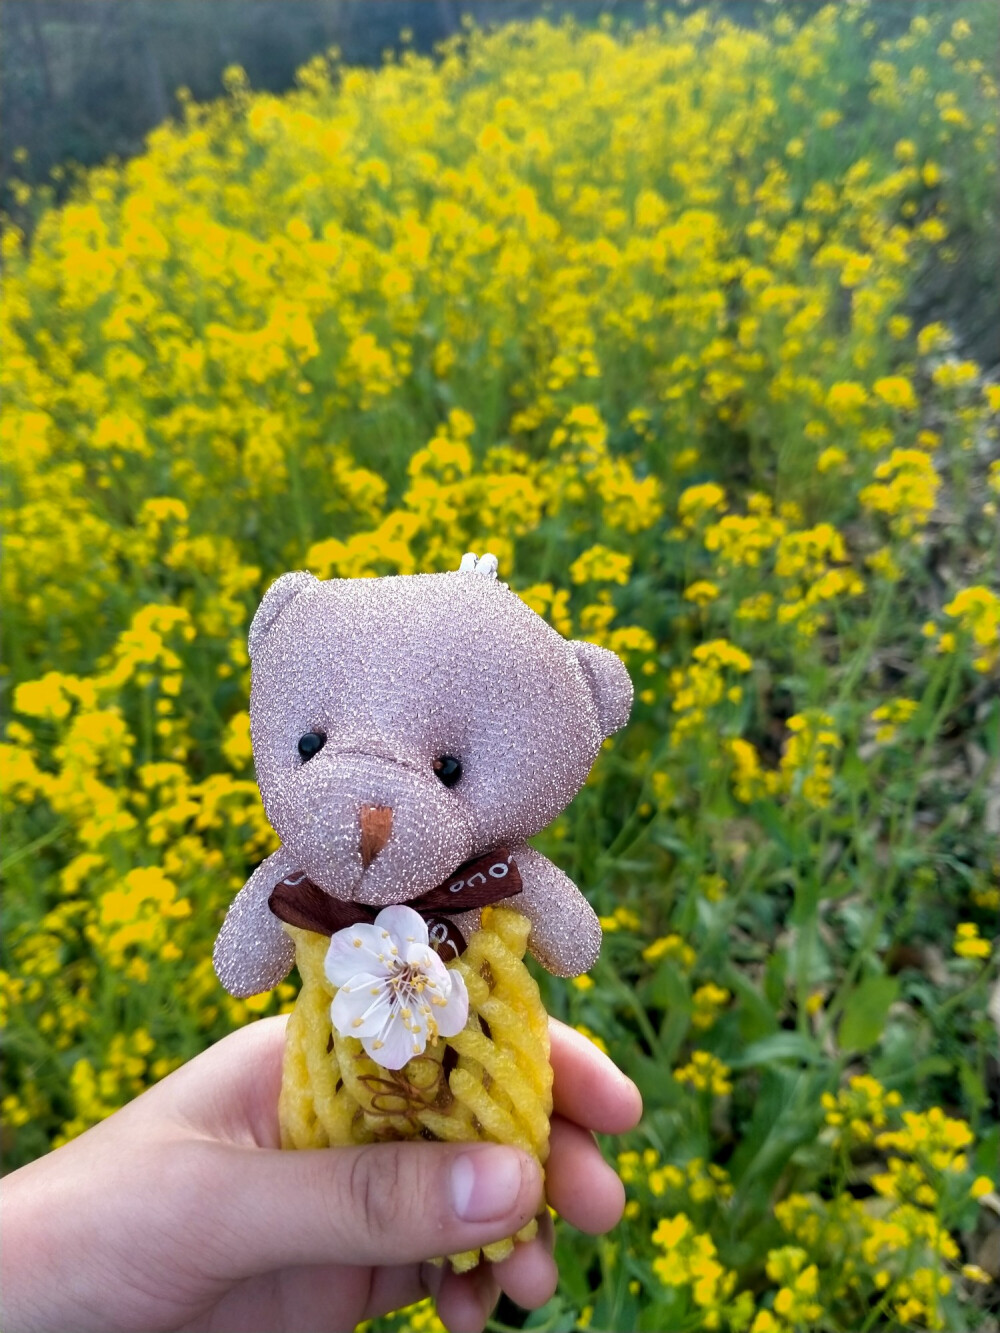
<point>492,1081</point>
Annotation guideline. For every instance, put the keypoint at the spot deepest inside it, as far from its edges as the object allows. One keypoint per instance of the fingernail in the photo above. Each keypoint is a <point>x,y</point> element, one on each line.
<point>485,1185</point>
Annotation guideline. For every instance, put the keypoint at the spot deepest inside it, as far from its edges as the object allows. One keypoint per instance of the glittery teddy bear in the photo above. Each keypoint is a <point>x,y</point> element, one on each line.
<point>410,734</point>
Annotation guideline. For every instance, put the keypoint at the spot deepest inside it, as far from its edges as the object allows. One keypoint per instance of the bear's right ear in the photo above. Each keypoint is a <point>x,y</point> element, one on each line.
<point>280,594</point>
<point>610,684</point>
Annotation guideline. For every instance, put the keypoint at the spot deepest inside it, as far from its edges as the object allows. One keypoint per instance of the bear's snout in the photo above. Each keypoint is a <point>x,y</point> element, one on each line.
<point>370,829</point>
<point>376,825</point>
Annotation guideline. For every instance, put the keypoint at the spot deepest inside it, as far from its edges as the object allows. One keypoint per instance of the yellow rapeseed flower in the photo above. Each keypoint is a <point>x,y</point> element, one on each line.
<point>896,391</point>
<point>968,942</point>
<point>977,611</point>
<point>702,593</point>
<point>905,490</point>
<point>705,1073</point>
<point>599,564</point>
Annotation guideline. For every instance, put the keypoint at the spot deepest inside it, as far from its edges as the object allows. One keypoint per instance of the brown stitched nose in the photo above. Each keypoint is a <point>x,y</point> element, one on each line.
<point>376,825</point>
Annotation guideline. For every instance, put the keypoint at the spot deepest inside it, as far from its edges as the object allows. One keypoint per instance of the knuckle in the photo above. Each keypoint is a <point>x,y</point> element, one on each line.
<point>376,1189</point>
<point>195,1203</point>
<point>193,1167</point>
<point>196,1172</point>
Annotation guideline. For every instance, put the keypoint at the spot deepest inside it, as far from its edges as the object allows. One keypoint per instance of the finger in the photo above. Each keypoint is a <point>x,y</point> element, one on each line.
<point>530,1277</point>
<point>230,1091</point>
<point>465,1300</point>
<point>580,1185</point>
<point>588,1087</point>
<point>323,1298</point>
<point>394,1288</point>
<point>385,1202</point>
<point>432,1275</point>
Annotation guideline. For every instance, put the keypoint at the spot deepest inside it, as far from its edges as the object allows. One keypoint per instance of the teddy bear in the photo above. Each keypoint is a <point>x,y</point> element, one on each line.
<point>403,726</point>
<point>410,733</point>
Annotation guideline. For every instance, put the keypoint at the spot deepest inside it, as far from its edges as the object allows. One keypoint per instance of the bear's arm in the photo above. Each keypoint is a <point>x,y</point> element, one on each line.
<point>252,952</point>
<point>565,932</point>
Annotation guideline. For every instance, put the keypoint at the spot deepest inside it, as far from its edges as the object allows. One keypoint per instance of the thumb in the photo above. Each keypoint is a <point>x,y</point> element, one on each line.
<point>385,1203</point>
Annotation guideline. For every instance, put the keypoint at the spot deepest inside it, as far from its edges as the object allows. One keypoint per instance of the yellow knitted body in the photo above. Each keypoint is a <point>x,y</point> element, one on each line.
<point>492,1081</point>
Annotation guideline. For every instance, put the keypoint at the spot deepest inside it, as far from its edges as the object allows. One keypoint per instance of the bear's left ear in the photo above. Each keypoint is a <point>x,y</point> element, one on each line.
<point>281,592</point>
<point>609,682</point>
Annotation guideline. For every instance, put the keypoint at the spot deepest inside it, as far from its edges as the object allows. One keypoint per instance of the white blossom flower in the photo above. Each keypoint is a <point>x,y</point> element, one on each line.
<point>393,991</point>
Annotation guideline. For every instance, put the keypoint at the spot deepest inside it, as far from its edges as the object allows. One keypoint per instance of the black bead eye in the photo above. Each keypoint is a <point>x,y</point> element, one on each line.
<point>448,769</point>
<point>311,743</point>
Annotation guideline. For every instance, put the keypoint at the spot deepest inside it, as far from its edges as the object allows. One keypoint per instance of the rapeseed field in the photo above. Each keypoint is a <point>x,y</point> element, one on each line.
<point>632,310</point>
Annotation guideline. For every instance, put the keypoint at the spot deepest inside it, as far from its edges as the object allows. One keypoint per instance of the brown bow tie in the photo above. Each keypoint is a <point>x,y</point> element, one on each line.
<point>487,879</point>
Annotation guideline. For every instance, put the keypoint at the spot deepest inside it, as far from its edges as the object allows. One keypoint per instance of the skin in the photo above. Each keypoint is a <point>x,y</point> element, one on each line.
<point>179,1212</point>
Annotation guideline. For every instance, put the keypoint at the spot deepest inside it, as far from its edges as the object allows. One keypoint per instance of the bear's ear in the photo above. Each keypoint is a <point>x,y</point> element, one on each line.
<point>609,684</point>
<point>280,594</point>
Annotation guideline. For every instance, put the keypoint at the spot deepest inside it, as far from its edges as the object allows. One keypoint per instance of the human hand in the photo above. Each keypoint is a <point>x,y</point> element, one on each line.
<point>180,1212</point>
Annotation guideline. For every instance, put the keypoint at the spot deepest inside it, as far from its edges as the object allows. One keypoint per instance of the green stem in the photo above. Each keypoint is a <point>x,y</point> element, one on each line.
<point>606,970</point>
<point>955,1000</point>
<point>885,897</point>
<point>44,840</point>
<point>861,657</point>
<point>952,681</point>
<point>621,843</point>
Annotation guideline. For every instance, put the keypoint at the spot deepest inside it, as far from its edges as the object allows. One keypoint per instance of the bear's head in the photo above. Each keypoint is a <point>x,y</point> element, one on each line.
<point>403,725</point>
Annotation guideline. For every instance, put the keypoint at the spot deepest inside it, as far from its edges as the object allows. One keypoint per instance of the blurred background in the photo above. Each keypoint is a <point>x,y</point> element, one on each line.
<point>688,312</point>
<point>82,81</point>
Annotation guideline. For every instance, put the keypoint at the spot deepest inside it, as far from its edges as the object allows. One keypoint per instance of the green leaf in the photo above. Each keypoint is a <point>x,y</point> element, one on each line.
<point>972,1085</point>
<point>929,1067</point>
<point>668,1312</point>
<point>785,1117</point>
<point>757,1016</point>
<point>667,988</point>
<point>775,974</point>
<point>988,1152</point>
<point>795,1046</point>
<point>866,1011</point>
<point>554,1317</point>
<point>654,1080</point>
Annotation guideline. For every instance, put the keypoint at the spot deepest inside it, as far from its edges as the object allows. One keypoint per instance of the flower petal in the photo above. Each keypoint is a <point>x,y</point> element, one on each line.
<point>452,1016</point>
<point>359,948</point>
<point>395,1045</point>
<point>404,925</point>
<point>428,961</point>
<point>361,1008</point>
